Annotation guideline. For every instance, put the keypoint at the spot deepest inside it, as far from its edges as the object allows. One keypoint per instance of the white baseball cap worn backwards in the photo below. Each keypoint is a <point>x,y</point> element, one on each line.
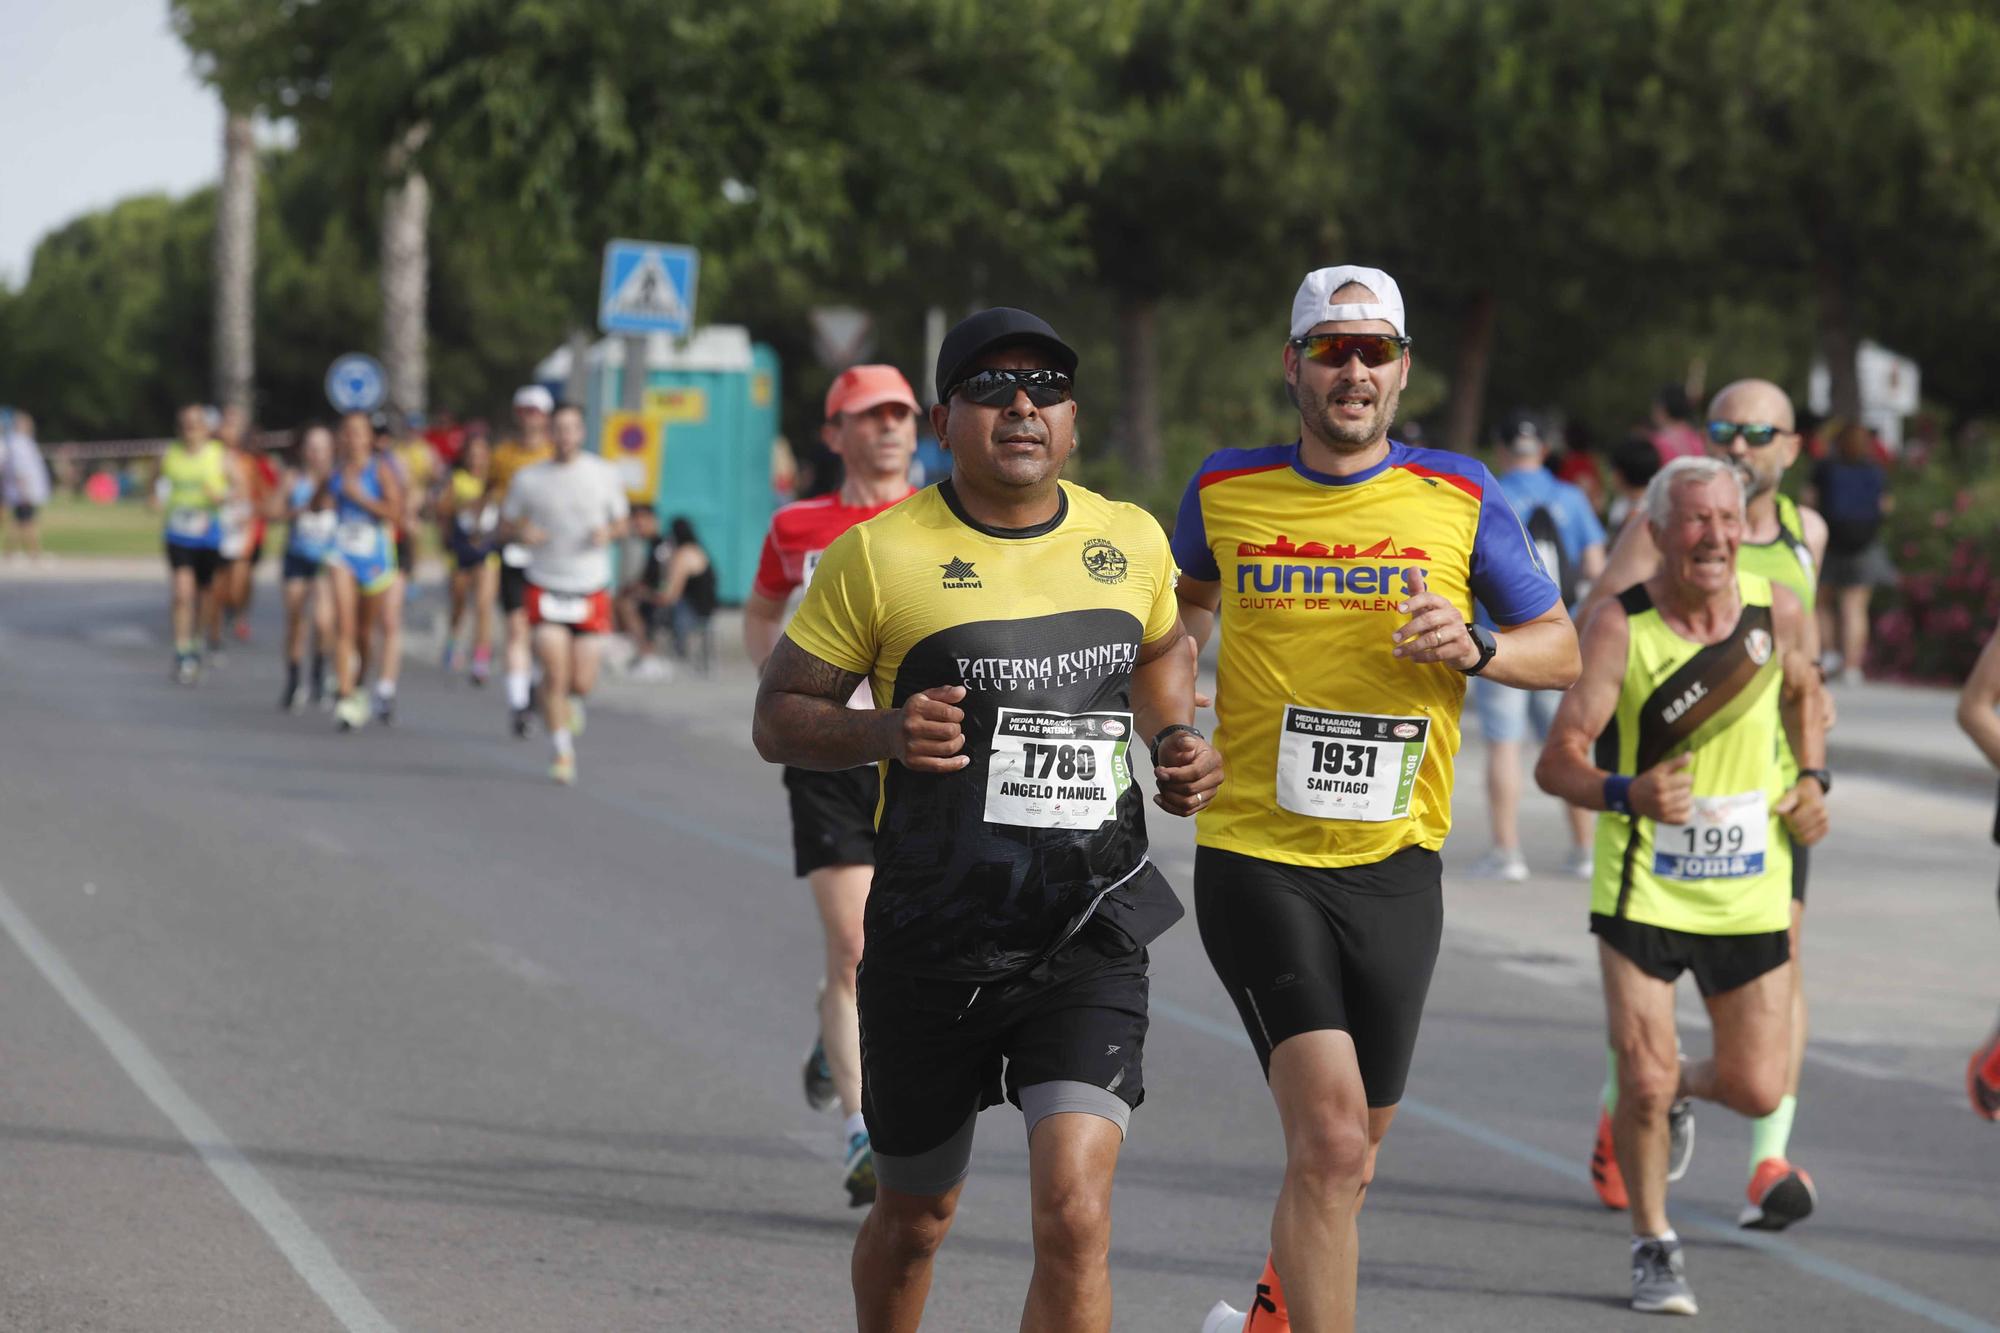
<point>1314,303</point>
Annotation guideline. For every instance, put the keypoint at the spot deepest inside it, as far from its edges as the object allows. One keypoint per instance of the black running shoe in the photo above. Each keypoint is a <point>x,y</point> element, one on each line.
<point>820,1093</point>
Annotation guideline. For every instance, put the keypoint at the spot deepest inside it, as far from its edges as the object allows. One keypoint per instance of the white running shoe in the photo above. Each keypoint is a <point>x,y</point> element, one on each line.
<point>1224,1318</point>
<point>578,718</point>
<point>1500,863</point>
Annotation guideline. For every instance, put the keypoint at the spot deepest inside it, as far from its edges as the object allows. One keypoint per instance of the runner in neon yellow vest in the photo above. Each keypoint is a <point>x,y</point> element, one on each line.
<point>1749,423</point>
<point>1689,681</point>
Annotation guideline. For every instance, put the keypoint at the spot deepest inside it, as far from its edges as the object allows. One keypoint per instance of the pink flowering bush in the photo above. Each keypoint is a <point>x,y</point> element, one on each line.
<point>1944,538</point>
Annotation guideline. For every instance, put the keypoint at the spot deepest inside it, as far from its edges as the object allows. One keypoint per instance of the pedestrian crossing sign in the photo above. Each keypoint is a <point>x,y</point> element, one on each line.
<point>648,288</point>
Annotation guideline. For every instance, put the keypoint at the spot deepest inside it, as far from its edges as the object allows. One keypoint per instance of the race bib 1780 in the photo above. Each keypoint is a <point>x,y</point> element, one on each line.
<point>1358,766</point>
<point>1725,839</point>
<point>1057,770</point>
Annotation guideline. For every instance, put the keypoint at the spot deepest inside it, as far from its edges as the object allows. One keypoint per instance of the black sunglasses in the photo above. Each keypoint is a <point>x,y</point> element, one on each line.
<point>1723,433</point>
<point>1337,349</point>
<point>996,388</point>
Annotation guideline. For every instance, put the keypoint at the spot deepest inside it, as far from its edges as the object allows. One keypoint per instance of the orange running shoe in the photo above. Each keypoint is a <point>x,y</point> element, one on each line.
<point>1780,1194</point>
<point>1267,1312</point>
<point>1982,1079</point>
<point>1605,1177</point>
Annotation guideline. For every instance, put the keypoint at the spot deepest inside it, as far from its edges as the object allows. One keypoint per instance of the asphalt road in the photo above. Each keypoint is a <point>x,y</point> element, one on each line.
<point>384,1031</point>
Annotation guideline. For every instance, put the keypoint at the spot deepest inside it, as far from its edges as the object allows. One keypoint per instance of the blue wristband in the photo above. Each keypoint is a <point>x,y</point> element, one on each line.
<point>1617,794</point>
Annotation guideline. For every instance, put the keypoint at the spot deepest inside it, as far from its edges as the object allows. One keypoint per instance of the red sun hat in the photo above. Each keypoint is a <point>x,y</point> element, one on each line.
<point>859,388</point>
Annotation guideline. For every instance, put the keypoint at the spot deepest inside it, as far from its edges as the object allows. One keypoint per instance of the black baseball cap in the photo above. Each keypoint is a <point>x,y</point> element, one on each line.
<point>1002,326</point>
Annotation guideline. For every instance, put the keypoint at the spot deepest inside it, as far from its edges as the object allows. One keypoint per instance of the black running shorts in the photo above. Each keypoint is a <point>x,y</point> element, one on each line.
<point>203,560</point>
<point>1307,949</point>
<point>513,588</point>
<point>833,817</point>
<point>1719,962</point>
<point>934,1053</point>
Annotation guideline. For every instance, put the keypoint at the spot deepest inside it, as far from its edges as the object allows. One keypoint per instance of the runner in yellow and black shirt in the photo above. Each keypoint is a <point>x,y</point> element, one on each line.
<point>1344,568</point>
<point>1023,636</point>
<point>1692,683</point>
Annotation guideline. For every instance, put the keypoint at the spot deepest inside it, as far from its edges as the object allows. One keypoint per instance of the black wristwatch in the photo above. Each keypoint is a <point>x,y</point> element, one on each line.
<point>1821,776</point>
<point>1483,639</point>
<point>1168,730</point>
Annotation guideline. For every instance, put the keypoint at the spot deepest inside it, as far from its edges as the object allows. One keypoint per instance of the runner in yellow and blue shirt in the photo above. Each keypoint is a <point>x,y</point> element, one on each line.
<point>1343,567</point>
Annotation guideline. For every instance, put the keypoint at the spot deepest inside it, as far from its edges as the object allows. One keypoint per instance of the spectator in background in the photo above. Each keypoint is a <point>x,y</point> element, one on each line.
<point>1673,433</point>
<point>1633,464</point>
<point>1850,488</point>
<point>638,601</point>
<point>24,486</point>
<point>1577,463</point>
<point>1570,543</point>
<point>688,596</point>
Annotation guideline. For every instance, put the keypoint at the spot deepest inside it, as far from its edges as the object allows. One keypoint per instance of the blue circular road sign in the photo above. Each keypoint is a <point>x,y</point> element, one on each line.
<point>355,383</point>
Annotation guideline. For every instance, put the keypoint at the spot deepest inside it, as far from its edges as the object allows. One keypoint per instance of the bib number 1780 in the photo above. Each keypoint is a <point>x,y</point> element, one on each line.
<point>1064,763</point>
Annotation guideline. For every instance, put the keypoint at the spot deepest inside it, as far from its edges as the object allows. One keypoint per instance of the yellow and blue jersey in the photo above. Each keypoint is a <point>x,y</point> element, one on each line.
<point>1337,752</point>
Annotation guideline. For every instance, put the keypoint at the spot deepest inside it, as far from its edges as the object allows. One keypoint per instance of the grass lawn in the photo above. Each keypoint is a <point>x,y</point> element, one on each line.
<point>127,527</point>
<point>78,527</point>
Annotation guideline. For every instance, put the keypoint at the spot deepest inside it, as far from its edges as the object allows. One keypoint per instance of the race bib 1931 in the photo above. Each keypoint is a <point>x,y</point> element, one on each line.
<point>1057,770</point>
<point>1724,840</point>
<point>1358,766</point>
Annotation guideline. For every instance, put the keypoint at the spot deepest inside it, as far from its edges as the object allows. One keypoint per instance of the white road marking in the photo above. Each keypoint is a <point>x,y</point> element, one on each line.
<point>522,966</point>
<point>325,842</point>
<point>307,1254</point>
<point>1854,1279</point>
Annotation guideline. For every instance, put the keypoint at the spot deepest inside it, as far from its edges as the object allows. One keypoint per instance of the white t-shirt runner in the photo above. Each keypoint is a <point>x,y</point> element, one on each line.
<point>568,502</point>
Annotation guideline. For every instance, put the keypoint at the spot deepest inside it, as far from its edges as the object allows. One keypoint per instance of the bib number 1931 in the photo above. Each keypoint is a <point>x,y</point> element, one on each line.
<point>1358,766</point>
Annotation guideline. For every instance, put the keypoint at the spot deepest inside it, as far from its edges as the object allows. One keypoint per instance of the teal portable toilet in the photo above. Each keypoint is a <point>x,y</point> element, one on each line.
<point>703,439</point>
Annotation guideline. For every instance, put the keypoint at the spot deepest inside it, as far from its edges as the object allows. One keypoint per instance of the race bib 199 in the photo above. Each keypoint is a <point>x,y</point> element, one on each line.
<point>1724,840</point>
<point>562,608</point>
<point>1057,770</point>
<point>1358,766</point>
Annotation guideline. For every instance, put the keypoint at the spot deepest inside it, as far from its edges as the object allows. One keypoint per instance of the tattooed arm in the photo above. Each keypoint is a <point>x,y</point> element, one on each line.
<point>803,719</point>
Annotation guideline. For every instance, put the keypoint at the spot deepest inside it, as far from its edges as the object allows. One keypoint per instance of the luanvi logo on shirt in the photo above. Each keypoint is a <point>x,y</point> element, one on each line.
<point>960,574</point>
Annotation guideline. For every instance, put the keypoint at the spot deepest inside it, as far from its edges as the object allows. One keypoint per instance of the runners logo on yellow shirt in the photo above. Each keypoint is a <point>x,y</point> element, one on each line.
<point>1306,577</point>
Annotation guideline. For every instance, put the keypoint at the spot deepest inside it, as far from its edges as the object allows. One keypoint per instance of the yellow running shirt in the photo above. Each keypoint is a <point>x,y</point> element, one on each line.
<point>197,483</point>
<point>1337,753</point>
<point>1728,870</point>
<point>981,871</point>
<point>1785,559</point>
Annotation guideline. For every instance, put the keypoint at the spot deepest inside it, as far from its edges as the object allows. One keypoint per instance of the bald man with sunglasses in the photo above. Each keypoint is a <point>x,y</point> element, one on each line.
<point>1750,425</point>
<point>1343,567</point>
